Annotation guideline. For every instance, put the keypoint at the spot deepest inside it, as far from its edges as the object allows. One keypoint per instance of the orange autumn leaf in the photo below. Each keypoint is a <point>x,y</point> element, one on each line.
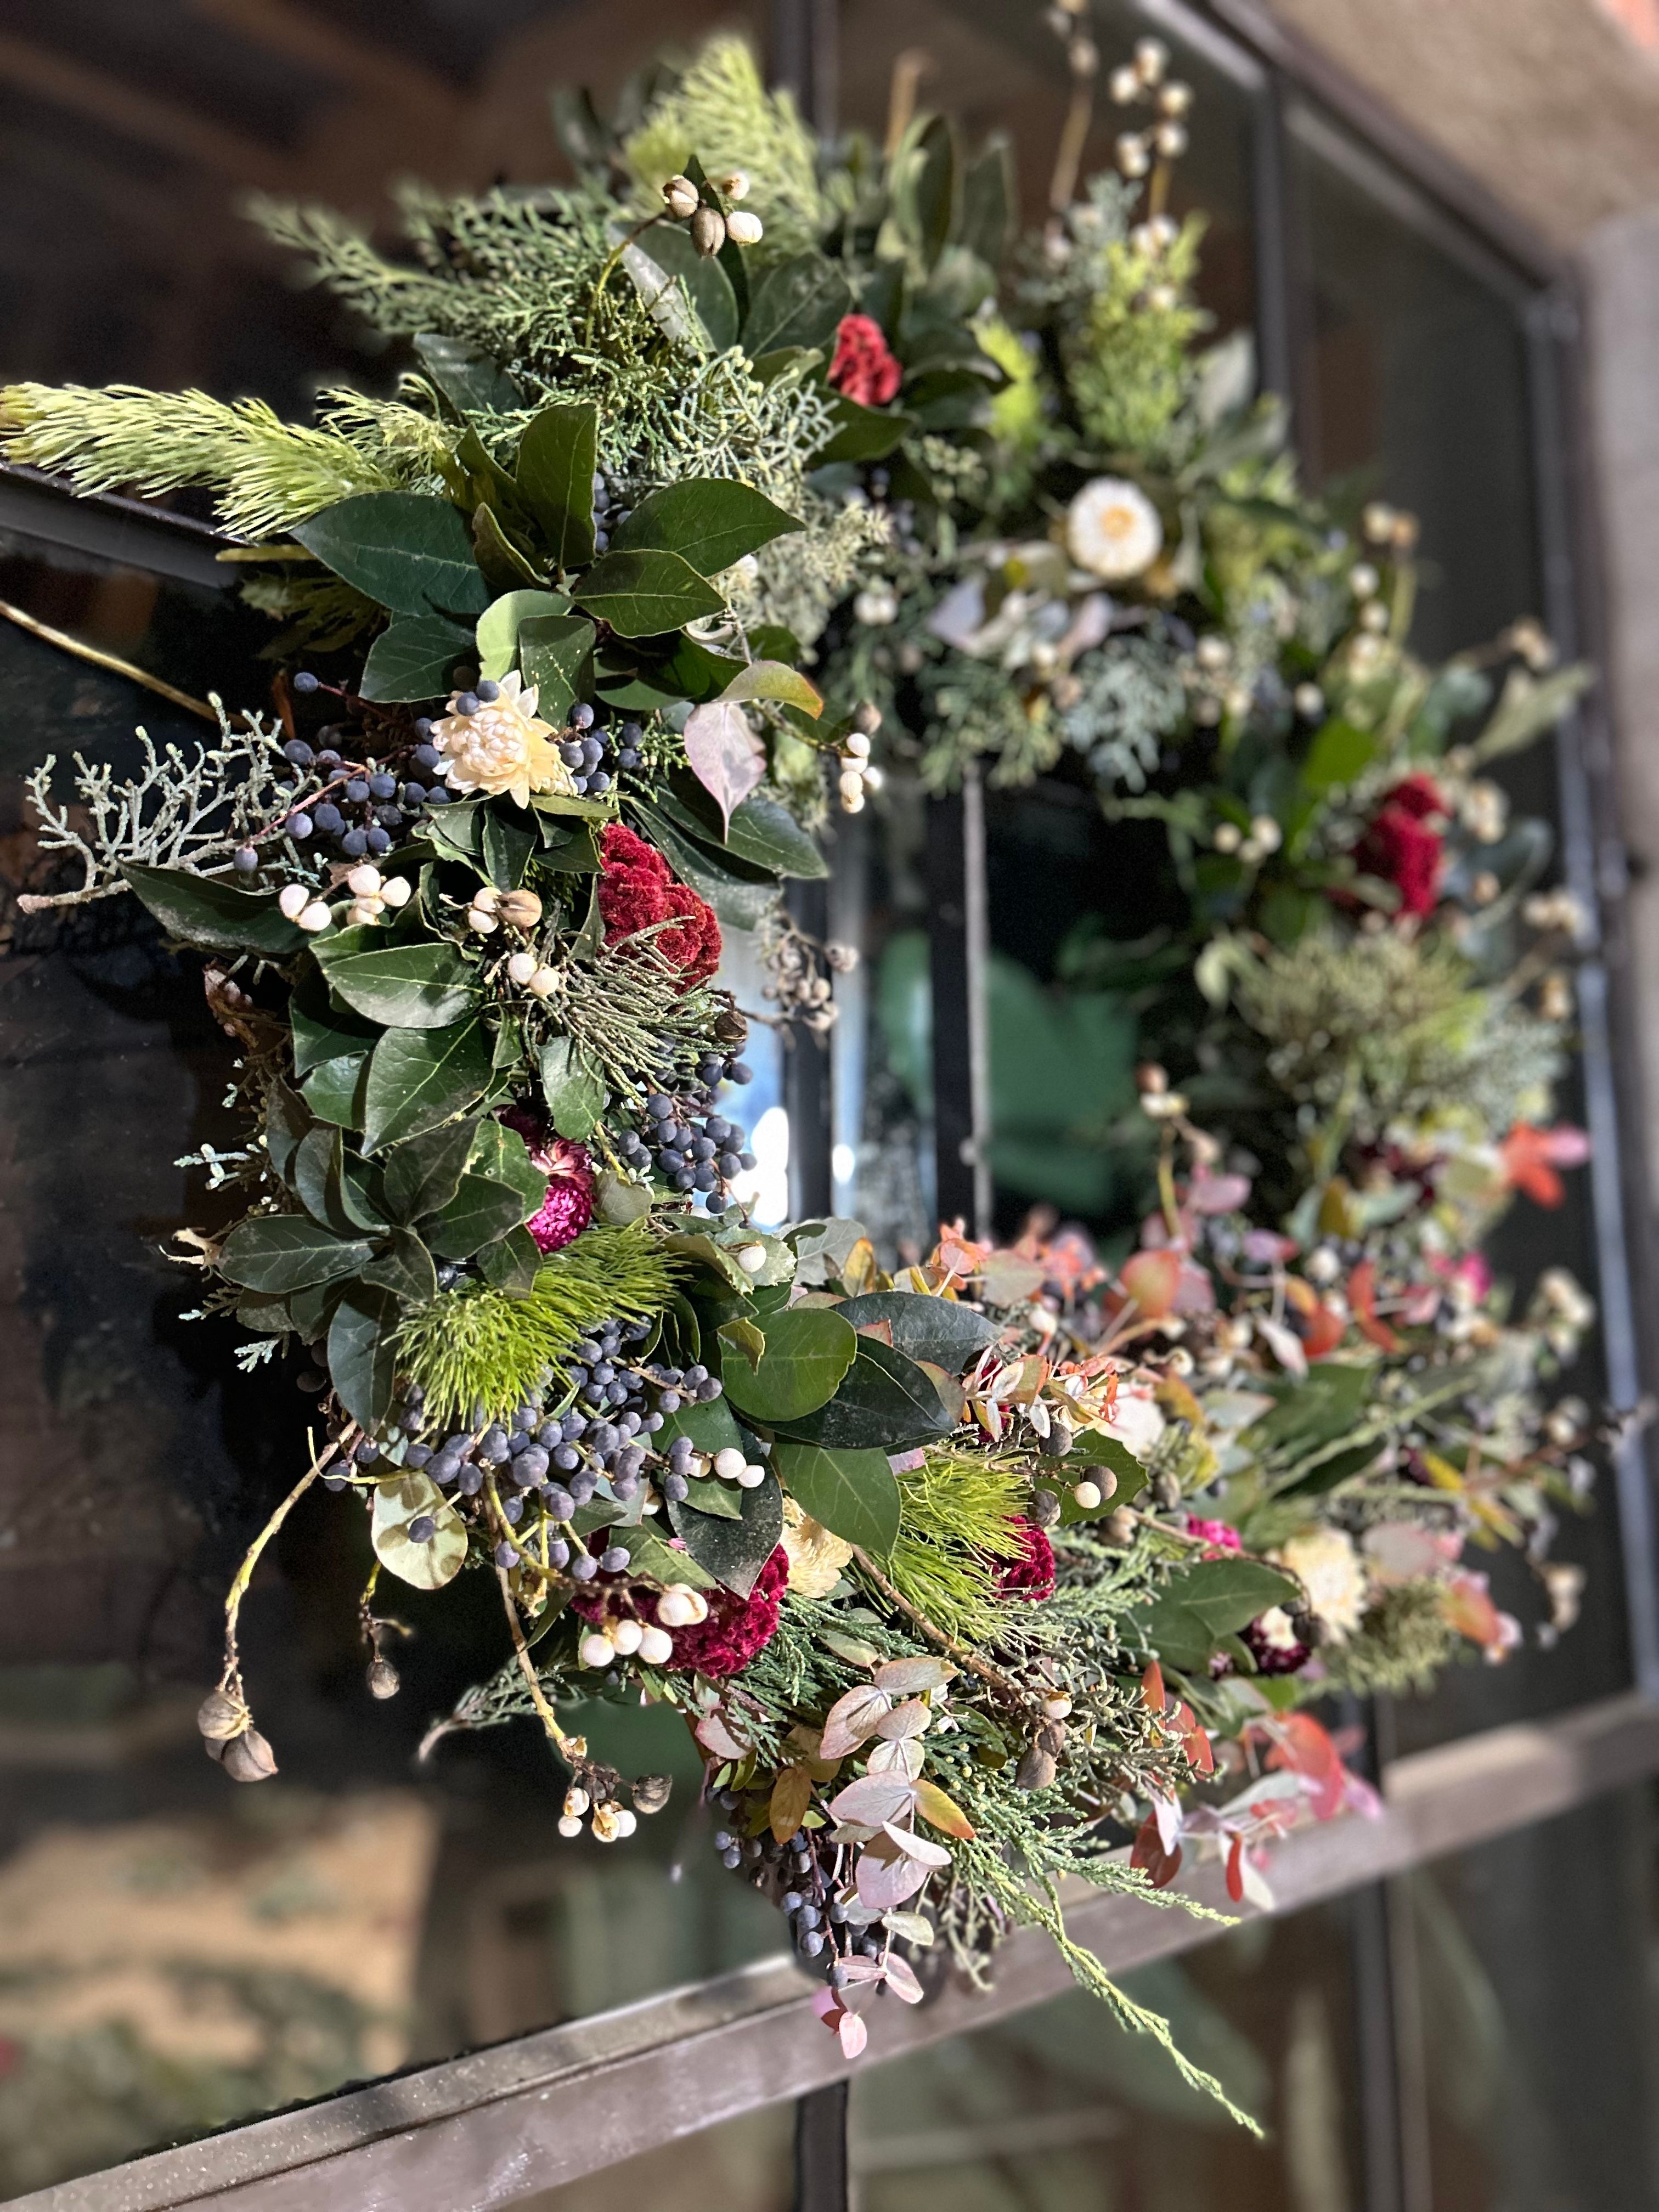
<point>1152,1279</point>
<point>1152,1692</point>
<point>1161,1867</point>
<point>943,1813</point>
<point>792,1793</point>
<point>1362,1298</point>
<point>1529,1157</point>
<point>1194,1740</point>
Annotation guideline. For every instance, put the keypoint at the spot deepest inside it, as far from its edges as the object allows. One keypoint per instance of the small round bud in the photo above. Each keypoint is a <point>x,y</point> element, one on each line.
<point>1151,1080</point>
<point>751,1477</point>
<point>1151,60</point>
<point>1056,1708</point>
<point>1309,701</point>
<point>397,890</point>
<point>751,1258</point>
<point>856,746</point>
<point>594,1650</point>
<point>656,1648</point>
<point>1362,579</point>
<point>743,228</point>
<point>681,198</point>
<point>486,898</point>
<point>867,719</point>
<point>626,1636</point>
<point>1087,1495</point>
<point>383,1678</point>
<point>1171,140</point>
<point>735,186</point>
<point>569,1825</point>
<point>729,1462</point>
<point>576,1801</point>
<point>316,918</point>
<point>292,901</point>
<point>522,966</point>
<point>708,231</point>
<point>1174,98</point>
<point>1121,1525</point>
<point>1044,1509</point>
<point>364,881</point>
<point>1124,86</point>
<point>480,921</point>
<point>1037,1769</point>
<point>543,983</point>
<point>1228,837</point>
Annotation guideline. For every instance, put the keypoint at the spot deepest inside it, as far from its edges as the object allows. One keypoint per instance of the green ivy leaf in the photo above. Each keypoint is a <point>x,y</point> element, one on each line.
<point>424,986</point>
<point>420,1175</point>
<point>209,911</point>
<point>574,1093</point>
<point>808,1350</point>
<point>288,1117</point>
<point>734,1550</point>
<point>413,658</point>
<point>556,656</point>
<point>419,1079</point>
<point>278,1253</point>
<point>503,563</point>
<point>708,522</point>
<point>497,633</point>
<point>557,456</point>
<point>941,1330</point>
<point>646,594</point>
<point>510,1263</point>
<point>502,1155</point>
<point>320,1031</point>
<point>334,1092</point>
<point>884,1403</point>
<point>408,551</point>
<point>363,1364</point>
<point>405,1269</point>
<point>481,1213</point>
<point>412,1496</point>
<point>798,302</point>
<point>854,1494</point>
<point>862,433</point>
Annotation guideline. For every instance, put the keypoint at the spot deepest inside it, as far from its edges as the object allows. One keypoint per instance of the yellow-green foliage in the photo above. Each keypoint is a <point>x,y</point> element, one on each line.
<point>480,1348</point>
<point>722,112</point>
<point>1129,365</point>
<point>269,474</point>
<point>1016,412</point>
<point>960,1514</point>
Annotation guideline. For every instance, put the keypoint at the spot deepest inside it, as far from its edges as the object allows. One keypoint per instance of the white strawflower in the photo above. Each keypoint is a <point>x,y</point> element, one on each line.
<point>1113,531</point>
<point>1330,1569</point>
<point>501,747</point>
<point>816,1558</point>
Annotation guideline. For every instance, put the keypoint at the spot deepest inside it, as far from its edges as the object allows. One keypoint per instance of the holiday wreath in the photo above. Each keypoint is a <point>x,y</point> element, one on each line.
<point>967,1572</point>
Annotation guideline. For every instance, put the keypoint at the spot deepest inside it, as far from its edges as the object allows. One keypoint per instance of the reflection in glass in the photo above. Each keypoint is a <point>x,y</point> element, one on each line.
<point>1056,2111</point>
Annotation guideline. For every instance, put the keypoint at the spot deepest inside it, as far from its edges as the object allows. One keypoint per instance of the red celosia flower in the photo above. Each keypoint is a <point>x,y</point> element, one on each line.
<point>637,888</point>
<point>863,366</point>
<point>1401,848</point>
<point>1218,1535</point>
<point>737,1627</point>
<point>568,1206</point>
<point>1031,1575</point>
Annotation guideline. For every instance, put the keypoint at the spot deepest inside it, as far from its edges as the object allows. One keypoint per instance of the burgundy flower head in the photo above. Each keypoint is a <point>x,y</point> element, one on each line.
<point>736,1629</point>
<point>1401,848</point>
<point>1031,1575</point>
<point>637,888</point>
<point>863,367</point>
<point>1273,1658</point>
<point>568,1206</point>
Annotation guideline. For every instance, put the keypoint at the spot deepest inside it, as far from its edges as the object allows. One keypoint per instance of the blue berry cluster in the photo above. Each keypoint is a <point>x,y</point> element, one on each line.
<point>609,512</point>
<point>589,754</point>
<point>822,1926</point>
<point>683,1139</point>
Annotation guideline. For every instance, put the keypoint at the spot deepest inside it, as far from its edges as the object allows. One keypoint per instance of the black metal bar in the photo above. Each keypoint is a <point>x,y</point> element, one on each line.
<point>112,531</point>
<point>807,1083</point>
<point>820,2150</point>
<point>959,935</point>
<point>805,56</point>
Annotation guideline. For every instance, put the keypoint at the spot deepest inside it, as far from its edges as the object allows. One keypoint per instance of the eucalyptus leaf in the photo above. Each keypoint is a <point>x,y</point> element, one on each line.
<point>408,1497</point>
<point>808,1350</point>
<point>724,754</point>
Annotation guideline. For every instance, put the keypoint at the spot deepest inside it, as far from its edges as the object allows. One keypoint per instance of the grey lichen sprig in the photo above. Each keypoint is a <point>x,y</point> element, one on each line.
<point>186,808</point>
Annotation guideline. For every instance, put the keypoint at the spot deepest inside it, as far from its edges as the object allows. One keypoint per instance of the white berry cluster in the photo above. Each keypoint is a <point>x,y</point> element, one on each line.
<point>711,226</point>
<point>1146,79</point>
<point>371,896</point>
<point>857,774</point>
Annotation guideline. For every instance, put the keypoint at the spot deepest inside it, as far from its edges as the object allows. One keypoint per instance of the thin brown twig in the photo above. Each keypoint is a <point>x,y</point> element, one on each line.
<point>110,660</point>
<point>238,1590</point>
<point>971,1660</point>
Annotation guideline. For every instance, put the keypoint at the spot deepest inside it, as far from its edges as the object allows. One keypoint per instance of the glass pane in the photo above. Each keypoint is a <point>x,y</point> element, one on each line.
<point>995,66</point>
<point>181,1952</point>
<point>1419,388</point>
<point>742,2166</point>
<point>1057,2110</point>
<point>1532,1959</point>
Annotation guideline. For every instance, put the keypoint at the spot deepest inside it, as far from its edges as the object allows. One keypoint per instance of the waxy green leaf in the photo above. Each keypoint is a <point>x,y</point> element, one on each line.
<point>209,911</point>
<point>283,1252</point>
<point>419,1079</point>
<point>808,1350</point>
<point>499,626</point>
<point>798,302</point>
<point>410,552</point>
<point>557,456</point>
<point>646,593</point>
<point>415,658</point>
<point>884,1402</point>
<point>708,522</point>
<point>417,986</point>
<point>853,1494</point>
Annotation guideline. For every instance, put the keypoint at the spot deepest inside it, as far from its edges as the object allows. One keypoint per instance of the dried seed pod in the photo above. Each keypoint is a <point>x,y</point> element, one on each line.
<point>1051,1738</point>
<point>383,1678</point>
<point>1036,1769</point>
<point>521,910</point>
<point>220,1716</point>
<point>650,1792</point>
<point>1121,1525</point>
<point>681,196</point>
<point>1167,1491</point>
<point>1058,1441</point>
<point>708,231</point>
<point>249,1758</point>
<point>1043,1510</point>
<point>866,718</point>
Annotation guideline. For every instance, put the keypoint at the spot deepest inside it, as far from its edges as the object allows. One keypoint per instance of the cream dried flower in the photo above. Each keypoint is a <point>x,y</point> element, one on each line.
<point>502,747</point>
<point>1113,530</point>
<point>816,1558</point>
<point>1325,1564</point>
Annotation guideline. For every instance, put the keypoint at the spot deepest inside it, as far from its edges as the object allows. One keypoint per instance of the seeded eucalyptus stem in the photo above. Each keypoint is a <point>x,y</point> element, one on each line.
<point>231,1680</point>
<point>110,660</point>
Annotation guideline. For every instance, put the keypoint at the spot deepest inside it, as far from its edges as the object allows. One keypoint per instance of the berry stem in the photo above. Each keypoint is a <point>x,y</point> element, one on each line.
<point>231,1680</point>
<point>970,1660</point>
<point>573,1749</point>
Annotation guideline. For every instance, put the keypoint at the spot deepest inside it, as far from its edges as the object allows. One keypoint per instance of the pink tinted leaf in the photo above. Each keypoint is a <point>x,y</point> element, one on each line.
<point>882,1883</point>
<point>862,1970</point>
<point>922,1849</point>
<point>775,679</point>
<point>1218,1193</point>
<point>1152,1279</point>
<point>724,754</point>
<point>851,1719</point>
<point>911,1718</point>
<point>854,2034</point>
<point>913,1678</point>
<point>826,2004</point>
<point>901,1980</point>
<point>874,1798</point>
<point>713,1734</point>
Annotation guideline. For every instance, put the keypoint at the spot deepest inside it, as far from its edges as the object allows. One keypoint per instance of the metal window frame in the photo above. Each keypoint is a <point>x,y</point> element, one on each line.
<point>490,2128</point>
